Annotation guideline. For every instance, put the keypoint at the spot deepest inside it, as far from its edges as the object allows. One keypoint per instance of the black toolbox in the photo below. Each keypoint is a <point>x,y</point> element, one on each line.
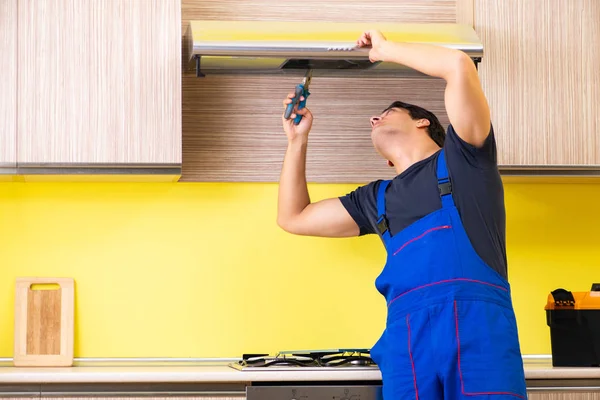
<point>574,321</point>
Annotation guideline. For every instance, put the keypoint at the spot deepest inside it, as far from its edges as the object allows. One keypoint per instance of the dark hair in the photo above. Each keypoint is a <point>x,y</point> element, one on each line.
<point>435,129</point>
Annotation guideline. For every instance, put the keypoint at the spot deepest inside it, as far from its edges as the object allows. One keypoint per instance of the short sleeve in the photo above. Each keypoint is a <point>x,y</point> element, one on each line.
<point>361,204</point>
<point>479,157</point>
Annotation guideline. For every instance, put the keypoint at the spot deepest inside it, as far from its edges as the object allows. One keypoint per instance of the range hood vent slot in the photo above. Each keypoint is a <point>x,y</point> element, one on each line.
<point>326,64</point>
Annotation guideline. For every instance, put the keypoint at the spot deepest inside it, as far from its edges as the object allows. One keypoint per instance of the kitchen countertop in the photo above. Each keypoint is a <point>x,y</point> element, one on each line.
<point>215,371</point>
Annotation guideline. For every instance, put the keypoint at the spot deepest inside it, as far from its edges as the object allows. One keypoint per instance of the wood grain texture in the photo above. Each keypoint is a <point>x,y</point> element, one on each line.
<point>38,323</point>
<point>540,74</point>
<point>8,83</point>
<point>316,10</point>
<point>20,397</point>
<point>43,321</point>
<point>564,396</point>
<point>232,127</point>
<point>214,396</point>
<point>465,12</point>
<point>99,82</point>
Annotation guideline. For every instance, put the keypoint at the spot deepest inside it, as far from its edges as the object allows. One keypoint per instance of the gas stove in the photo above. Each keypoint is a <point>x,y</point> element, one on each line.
<point>355,359</point>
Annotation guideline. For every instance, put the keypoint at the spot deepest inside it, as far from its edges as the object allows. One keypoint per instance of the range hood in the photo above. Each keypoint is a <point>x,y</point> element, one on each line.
<point>274,47</point>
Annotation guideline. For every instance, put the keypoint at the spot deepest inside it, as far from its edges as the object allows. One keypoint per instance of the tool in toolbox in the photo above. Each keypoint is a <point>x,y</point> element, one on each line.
<point>301,90</point>
<point>574,321</point>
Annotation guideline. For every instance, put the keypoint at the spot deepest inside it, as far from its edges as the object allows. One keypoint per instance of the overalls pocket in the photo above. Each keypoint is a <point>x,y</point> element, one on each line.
<point>488,353</point>
<point>423,238</point>
<point>425,257</point>
<point>393,354</point>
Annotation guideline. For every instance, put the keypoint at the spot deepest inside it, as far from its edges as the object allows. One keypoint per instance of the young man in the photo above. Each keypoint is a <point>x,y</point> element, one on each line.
<point>451,332</point>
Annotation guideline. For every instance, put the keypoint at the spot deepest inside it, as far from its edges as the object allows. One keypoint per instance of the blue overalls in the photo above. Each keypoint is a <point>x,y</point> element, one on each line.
<point>450,332</point>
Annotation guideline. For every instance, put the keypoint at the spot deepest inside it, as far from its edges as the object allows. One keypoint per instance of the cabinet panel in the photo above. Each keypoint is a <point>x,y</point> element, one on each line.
<point>99,83</point>
<point>249,144</point>
<point>98,396</point>
<point>8,85</point>
<point>465,11</point>
<point>540,74</point>
<point>564,396</point>
<point>232,127</point>
<point>10,396</point>
<point>318,10</point>
<point>150,390</point>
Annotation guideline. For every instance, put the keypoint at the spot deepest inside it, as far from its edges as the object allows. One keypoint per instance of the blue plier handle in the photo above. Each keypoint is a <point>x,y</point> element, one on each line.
<point>301,90</point>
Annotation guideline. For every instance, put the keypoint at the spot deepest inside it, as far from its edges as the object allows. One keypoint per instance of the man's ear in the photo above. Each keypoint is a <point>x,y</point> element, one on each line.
<point>389,163</point>
<point>423,122</point>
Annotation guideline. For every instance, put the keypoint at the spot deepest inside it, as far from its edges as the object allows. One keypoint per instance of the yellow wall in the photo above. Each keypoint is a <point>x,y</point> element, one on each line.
<point>201,270</point>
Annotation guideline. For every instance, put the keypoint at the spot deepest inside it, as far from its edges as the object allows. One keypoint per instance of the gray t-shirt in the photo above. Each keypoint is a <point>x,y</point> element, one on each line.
<point>477,190</point>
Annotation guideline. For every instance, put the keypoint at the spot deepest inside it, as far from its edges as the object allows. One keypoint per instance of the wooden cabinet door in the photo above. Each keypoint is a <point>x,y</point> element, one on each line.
<point>8,86</point>
<point>19,396</point>
<point>564,395</point>
<point>215,396</point>
<point>540,74</point>
<point>99,83</point>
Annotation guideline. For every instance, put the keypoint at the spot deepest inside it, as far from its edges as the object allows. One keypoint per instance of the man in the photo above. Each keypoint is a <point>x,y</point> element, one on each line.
<point>450,330</point>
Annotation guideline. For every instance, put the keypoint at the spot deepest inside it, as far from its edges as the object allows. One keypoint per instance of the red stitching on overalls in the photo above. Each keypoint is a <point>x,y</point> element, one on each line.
<point>462,383</point>
<point>437,228</point>
<point>411,358</point>
<point>446,281</point>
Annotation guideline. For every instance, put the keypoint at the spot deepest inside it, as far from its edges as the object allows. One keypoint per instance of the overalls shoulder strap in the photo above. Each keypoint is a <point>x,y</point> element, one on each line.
<point>444,187</point>
<point>444,183</point>
<point>382,222</point>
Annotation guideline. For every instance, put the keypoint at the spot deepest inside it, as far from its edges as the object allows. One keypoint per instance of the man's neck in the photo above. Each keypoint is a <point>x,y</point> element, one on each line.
<point>410,153</point>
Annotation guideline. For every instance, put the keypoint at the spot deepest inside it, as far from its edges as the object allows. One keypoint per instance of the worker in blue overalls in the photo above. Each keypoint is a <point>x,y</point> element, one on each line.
<point>451,331</point>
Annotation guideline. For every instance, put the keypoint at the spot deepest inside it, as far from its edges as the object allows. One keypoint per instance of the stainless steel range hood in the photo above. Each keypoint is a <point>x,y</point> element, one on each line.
<point>327,47</point>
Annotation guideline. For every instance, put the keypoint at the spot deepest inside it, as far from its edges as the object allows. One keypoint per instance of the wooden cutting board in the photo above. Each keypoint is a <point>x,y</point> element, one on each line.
<point>44,326</point>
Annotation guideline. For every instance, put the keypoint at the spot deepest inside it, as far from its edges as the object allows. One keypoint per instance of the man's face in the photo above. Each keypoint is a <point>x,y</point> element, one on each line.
<point>391,124</point>
<point>390,121</point>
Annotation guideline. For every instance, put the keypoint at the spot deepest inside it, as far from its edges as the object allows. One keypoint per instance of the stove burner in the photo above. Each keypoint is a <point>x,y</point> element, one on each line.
<point>263,360</point>
<point>355,358</point>
<point>333,358</point>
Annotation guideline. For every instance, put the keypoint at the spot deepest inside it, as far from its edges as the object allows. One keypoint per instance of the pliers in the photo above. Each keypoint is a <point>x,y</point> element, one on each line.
<point>301,90</point>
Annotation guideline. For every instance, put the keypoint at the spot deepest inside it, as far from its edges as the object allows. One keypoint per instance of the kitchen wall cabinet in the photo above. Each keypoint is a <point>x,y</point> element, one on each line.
<point>540,74</point>
<point>99,87</point>
<point>232,127</point>
<point>8,85</point>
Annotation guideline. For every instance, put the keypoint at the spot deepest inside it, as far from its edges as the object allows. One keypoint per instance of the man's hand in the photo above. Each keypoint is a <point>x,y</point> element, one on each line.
<point>376,40</point>
<point>466,105</point>
<point>300,131</point>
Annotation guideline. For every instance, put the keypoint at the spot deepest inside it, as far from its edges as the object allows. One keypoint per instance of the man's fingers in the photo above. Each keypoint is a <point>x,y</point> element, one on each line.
<point>302,111</point>
<point>290,100</point>
<point>305,112</point>
<point>364,39</point>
